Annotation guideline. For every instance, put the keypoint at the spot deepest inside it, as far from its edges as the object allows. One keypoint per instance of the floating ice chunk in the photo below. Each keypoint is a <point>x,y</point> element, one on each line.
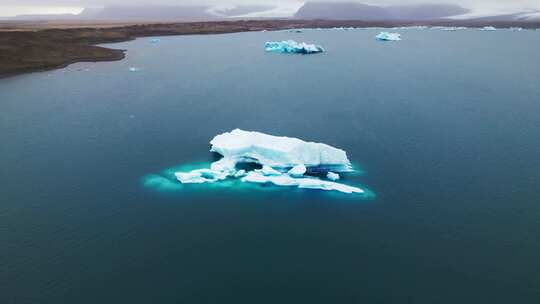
<point>269,171</point>
<point>133,69</point>
<point>258,177</point>
<point>312,183</point>
<point>201,176</point>
<point>516,29</point>
<point>332,176</point>
<point>297,171</point>
<point>453,28</point>
<point>386,36</point>
<point>224,164</point>
<point>240,173</point>
<point>276,151</point>
<point>154,40</point>
<point>276,154</point>
<point>488,28</point>
<point>305,183</point>
<point>291,46</point>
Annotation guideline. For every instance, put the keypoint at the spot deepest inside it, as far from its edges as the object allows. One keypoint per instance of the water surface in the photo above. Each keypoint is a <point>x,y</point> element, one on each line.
<point>444,125</point>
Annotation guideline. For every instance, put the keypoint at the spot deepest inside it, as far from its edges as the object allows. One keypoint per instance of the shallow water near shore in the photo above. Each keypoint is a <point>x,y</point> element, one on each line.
<point>444,126</point>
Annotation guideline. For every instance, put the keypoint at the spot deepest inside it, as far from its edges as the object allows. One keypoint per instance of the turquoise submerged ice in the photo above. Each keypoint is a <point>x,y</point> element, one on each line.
<point>285,161</point>
<point>291,46</point>
<point>386,36</point>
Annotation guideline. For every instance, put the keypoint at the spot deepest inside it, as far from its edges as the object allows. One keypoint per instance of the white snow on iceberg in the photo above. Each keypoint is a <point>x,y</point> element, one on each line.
<point>386,36</point>
<point>276,151</point>
<point>291,46</point>
<point>285,161</point>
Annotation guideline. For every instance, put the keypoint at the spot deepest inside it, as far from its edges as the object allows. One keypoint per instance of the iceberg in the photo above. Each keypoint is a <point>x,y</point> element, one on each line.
<point>332,176</point>
<point>133,69</point>
<point>291,46</point>
<point>386,36</point>
<point>269,171</point>
<point>488,28</point>
<point>154,40</point>
<point>285,161</point>
<point>297,171</point>
<point>453,28</point>
<point>200,176</point>
<point>239,146</point>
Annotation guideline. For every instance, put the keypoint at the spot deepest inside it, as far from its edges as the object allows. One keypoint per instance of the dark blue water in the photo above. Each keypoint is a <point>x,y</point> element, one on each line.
<point>445,126</point>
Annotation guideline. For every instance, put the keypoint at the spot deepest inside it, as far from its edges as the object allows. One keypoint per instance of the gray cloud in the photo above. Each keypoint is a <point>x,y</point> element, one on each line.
<point>523,3</point>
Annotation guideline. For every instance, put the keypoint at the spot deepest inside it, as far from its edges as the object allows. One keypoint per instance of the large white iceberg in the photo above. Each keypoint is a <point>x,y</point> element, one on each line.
<point>285,161</point>
<point>282,152</point>
<point>291,46</point>
<point>386,36</point>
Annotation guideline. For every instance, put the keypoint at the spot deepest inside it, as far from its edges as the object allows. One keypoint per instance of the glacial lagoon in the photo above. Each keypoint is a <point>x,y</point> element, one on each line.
<point>442,126</point>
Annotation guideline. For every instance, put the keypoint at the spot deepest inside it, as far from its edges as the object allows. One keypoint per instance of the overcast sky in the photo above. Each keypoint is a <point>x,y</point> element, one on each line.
<point>15,7</point>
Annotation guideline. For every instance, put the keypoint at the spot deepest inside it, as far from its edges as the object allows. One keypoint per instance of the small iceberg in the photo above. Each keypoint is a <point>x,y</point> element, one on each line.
<point>386,36</point>
<point>133,69</point>
<point>516,29</point>
<point>332,176</point>
<point>291,46</point>
<point>297,171</point>
<point>488,29</point>
<point>285,161</point>
<point>453,28</point>
<point>154,40</point>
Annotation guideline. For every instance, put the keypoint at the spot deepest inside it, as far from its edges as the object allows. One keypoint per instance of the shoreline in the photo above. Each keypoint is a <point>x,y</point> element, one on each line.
<point>24,51</point>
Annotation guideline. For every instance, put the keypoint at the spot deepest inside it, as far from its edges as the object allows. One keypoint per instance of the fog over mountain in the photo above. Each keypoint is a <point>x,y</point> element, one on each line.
<point>355,10</point>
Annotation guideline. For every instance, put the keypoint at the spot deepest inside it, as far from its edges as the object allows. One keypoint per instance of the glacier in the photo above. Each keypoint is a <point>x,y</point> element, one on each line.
<point>291,46</point>
<point>386,36</point>
<point>285,161</point>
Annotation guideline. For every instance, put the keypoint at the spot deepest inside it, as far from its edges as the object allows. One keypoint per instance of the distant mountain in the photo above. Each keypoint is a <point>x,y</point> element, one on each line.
<point>425,11</point>
<point>529,16</point>
<point>232,11</point>
<point>148,13</point>
<point>359,11</point>
<point>341,11</point>
<point>45,17</point>
<point>151,13</point>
